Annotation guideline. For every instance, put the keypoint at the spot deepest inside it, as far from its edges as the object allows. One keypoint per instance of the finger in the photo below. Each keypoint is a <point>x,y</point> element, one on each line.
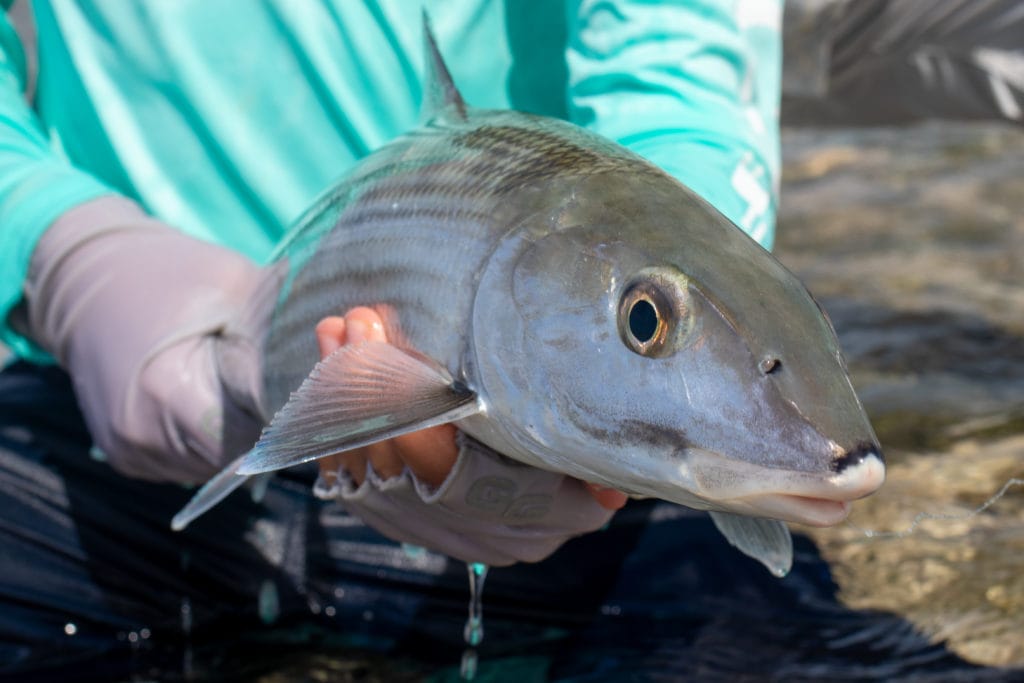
<point>363,324</point>
<point>353,462</point>
<point>330,335</point>
<point>606,497</point>
<point>333,332</point>
<point>359,324</point>
<point>429,453</point>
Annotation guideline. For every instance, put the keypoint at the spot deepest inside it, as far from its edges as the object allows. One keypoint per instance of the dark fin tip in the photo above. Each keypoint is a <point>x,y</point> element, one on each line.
<point>856,456</point>
<point>440,96</point>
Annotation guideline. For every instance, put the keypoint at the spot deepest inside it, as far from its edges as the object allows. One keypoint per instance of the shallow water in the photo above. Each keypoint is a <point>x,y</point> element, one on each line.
<point>914,240</point>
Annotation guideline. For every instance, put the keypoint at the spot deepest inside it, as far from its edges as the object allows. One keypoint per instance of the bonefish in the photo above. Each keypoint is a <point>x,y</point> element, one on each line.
<point>574,308</point>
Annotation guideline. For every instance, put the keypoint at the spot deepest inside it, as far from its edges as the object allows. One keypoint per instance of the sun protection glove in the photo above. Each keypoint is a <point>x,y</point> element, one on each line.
<point>157,334</point>
<point>489,509</point>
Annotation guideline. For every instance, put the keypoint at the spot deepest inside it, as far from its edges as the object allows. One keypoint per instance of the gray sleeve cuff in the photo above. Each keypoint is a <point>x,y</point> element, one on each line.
<point>489,509</point>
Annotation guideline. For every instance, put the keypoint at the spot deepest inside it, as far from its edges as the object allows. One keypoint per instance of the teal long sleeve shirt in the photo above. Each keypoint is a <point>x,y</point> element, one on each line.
<point>226,119</point>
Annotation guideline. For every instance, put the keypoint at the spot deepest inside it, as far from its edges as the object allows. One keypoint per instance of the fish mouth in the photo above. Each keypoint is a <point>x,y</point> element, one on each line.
<point>820,512</point>
<point>816,499</point>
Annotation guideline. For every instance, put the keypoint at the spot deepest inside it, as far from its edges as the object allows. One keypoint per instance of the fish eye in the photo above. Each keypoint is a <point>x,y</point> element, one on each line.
<point>643,320</point>
<point>650,313</point>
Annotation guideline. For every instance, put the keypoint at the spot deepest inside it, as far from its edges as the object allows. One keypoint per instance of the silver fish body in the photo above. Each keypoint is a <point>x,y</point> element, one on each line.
<point>573,307</point>
<point>501,247</point>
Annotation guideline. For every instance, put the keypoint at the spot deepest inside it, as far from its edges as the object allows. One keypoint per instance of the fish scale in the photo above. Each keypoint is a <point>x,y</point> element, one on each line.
<point>406,204</point>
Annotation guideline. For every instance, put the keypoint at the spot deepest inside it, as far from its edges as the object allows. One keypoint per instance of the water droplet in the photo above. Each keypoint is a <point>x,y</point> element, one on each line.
<point>314,606</point>
<point>258,489</point>
<point>413,551</point>
<point>268,603</point>
<point>467,667</point>
<point>96,454</point>
<point>474,630</point>
<point>330,611</point>
<point>145,633</point>
<point>187,668</point>
<point>473,633</point>
<point>339,593</point>
<point>186,616</point>
<point>70,629</point>
<point>188,671</point>
<point>133,637</point>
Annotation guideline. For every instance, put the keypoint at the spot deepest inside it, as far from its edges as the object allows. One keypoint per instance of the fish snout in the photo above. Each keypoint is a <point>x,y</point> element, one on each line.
<point>859,472</point>
<point>857,456</point>
<point>812,498</point>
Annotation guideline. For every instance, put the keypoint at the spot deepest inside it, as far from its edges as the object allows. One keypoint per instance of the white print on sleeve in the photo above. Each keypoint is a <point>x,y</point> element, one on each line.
<point>749,182</point>
<point>750,13</point>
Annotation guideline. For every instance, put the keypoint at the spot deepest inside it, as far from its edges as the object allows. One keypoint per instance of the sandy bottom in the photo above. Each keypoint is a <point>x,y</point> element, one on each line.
<point>914,241</point>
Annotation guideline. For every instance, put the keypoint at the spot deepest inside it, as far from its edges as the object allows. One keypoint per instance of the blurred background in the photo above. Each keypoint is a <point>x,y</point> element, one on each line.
<point>913,240</point>
<point>912,236</point>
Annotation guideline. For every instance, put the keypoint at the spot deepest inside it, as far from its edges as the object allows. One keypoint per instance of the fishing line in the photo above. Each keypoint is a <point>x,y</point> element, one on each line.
<point>946,517</point>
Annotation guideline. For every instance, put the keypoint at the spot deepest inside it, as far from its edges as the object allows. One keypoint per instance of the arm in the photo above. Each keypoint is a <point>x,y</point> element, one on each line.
<point>693,87</point>
<point>135,310</point>
<point>151,324</point>
<point>36,185</point>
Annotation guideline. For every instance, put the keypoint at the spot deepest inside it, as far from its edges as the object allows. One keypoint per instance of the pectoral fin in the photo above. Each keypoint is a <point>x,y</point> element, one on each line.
<point>766,540</point>
<point>216,490</point>
<point>358,395</point>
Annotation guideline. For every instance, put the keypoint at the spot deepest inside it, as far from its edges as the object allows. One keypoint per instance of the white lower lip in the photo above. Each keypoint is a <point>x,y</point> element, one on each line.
<point>801,497</point>
<point>802,509</point>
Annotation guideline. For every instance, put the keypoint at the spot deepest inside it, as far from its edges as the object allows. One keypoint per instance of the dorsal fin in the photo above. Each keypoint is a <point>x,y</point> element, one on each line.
<point>441,99</point>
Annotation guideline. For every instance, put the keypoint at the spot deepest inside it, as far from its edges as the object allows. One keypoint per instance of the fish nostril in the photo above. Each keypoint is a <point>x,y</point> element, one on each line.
<point>769,364</point>
<point>856,456</point>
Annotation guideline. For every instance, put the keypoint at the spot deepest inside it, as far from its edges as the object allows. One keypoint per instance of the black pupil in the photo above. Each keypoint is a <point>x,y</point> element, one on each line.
<point>643,321</point>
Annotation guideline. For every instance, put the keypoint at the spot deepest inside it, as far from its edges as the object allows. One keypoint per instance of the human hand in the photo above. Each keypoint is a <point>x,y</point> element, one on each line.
<point>429,453</point>
<point>159,333</point>
<point>441,489</point>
